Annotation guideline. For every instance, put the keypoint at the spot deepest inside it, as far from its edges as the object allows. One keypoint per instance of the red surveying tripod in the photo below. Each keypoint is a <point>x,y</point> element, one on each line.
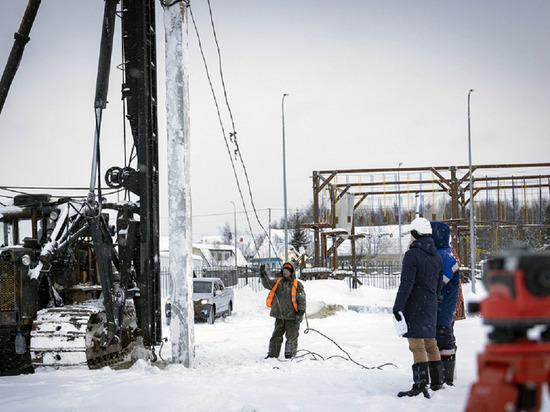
<point>515,365</point>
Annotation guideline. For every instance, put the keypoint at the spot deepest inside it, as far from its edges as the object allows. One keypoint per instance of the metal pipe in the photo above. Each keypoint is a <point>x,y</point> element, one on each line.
<point>16,54</point>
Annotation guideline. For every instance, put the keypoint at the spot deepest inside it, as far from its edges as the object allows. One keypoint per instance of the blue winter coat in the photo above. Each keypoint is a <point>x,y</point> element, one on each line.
<point>421,280</point>
<point>441,234</point>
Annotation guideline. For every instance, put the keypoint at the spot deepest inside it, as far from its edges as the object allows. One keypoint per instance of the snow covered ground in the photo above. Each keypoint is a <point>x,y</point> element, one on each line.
<point>231,374</point>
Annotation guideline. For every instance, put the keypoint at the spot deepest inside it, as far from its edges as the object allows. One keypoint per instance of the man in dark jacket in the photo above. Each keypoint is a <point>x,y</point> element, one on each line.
<point>420,287</point>
<point>287,299</point>
<point>441,234</point>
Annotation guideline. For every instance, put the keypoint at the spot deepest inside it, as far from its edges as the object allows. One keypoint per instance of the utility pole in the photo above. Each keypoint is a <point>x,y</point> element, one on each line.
<point>235,237</point>
<point>284,177</point>
<point>399,210</point>
<point>269,242</point>
<point>472,234</point>
<point>179,183</point>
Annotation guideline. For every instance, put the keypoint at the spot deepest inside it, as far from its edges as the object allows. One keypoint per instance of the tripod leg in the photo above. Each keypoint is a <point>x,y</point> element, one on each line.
<point>491,392</point>
<point>530,397</point>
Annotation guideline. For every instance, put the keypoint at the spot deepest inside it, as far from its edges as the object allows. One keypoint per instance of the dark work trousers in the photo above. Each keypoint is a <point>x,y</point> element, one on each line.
<point>445,339</point>
<point>292,330</point>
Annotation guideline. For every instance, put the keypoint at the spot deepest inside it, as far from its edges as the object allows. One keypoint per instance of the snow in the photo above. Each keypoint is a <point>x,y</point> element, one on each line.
<point>34,273</point>
<point>231,374</point>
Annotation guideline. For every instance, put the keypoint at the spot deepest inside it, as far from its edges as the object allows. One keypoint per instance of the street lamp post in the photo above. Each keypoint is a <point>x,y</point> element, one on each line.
<point>235,237</point>
<point>472,235</point>
<point>269,243</point>
<point>399,209</point>
<point>284,177</point>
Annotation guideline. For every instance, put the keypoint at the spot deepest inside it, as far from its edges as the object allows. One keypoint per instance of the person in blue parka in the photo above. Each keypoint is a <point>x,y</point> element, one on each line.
<point>417,296</point>
<point>441,234</point>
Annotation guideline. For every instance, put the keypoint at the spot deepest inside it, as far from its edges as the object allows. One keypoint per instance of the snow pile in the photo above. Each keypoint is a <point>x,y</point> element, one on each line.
<point>231,373</point>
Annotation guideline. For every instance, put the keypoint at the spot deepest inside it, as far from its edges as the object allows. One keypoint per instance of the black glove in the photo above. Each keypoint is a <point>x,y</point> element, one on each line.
<point>397,316</point>
<point>300,316</point>
<point>262,270</point>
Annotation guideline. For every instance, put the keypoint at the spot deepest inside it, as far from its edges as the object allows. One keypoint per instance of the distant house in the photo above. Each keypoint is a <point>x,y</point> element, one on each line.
<point>216,255</point>
<point>198,261</point>
<point>205,255</point>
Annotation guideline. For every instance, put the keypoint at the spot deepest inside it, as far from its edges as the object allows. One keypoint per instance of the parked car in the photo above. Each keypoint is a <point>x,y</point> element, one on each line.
<point>211,299</point>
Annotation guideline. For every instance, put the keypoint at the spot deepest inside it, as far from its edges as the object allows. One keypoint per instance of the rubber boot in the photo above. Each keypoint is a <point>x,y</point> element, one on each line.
<point>420,378</point>
<point>274,350</point>
<point>290,350</point>
<point>448,365</point>
<point>436,375</point>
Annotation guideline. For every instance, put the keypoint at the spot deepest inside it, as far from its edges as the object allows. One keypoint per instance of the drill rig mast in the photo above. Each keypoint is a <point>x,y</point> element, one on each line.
<point>75,290</point>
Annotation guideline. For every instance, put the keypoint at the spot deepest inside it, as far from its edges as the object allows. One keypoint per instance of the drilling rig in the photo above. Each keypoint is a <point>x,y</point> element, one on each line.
<point>77,289</point>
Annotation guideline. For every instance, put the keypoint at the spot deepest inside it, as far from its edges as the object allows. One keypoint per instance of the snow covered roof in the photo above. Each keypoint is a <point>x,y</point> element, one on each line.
<point>206,251</point>
<point>210,252</point>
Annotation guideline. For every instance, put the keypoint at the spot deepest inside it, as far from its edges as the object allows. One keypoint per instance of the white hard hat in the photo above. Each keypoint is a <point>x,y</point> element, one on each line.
<point>422,226</point>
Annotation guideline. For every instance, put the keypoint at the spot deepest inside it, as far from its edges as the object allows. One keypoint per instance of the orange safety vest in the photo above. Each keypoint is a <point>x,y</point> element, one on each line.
<point>293,294</point>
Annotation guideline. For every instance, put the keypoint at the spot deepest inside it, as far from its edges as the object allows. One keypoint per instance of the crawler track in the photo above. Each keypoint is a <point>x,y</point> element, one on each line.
<point>71,335</point>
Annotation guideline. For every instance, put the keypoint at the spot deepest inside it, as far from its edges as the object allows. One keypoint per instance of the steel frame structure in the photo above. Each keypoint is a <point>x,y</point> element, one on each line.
<point>452,181</point>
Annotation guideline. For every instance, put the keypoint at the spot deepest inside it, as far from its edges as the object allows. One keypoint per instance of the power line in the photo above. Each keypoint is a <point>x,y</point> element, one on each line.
<point>230,213</point>
<point>233,134</point>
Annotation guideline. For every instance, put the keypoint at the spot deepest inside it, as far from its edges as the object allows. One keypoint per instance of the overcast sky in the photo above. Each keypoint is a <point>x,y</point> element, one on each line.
<point>370,84</point>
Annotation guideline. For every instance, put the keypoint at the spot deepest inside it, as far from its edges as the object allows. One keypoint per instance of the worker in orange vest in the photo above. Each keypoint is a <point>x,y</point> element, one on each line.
<point>287,300</point>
